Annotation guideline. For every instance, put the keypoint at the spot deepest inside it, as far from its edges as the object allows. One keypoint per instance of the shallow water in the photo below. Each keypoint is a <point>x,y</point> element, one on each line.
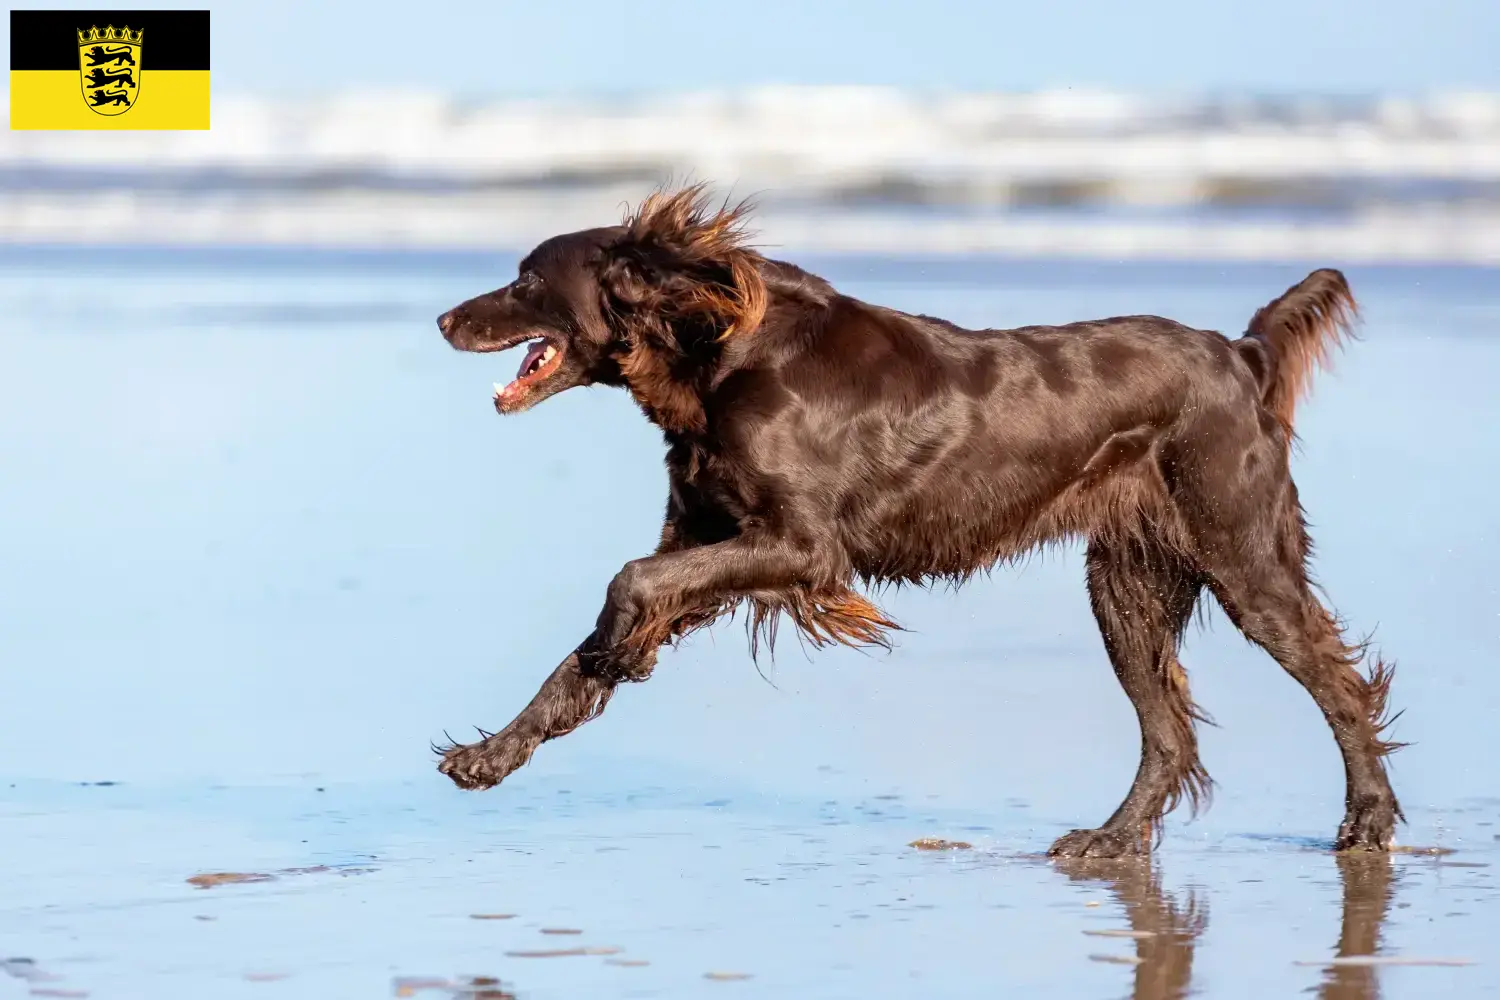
<point>263,538</point>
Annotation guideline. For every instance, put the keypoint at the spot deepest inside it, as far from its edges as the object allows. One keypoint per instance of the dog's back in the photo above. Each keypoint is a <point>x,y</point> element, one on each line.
<point>957,448</point>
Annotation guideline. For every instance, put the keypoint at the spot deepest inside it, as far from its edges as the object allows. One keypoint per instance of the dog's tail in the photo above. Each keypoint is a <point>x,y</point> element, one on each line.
<point>1293,336</point>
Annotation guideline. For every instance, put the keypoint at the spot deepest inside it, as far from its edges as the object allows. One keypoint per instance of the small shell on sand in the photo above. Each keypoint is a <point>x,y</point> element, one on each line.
<point>938,844</point>
<point>210,879</point>
<point>410,986</point>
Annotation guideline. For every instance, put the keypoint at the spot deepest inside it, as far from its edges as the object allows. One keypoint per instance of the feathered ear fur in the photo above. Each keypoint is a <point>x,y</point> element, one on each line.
<point>680,280</point>
<point>680,256</point>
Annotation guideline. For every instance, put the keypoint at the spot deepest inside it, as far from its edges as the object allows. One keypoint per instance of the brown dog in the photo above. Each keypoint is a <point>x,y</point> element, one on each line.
<point>814,440</point>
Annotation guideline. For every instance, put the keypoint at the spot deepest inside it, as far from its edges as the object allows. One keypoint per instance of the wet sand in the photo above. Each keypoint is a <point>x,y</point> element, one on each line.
<point>271,541</point>
<point>662,893</point>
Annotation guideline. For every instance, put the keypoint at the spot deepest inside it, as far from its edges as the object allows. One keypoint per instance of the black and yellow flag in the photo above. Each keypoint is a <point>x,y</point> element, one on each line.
<point>109,69</point>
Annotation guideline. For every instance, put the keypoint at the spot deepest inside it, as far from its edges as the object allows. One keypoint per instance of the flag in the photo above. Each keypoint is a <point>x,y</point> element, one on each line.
<point>109,69</point>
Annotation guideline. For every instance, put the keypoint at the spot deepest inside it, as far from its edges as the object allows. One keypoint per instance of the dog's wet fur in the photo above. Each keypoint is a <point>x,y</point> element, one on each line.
<point>816,442</point>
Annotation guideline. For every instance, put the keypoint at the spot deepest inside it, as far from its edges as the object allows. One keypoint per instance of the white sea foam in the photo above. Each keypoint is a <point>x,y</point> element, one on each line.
<point>838,168</point>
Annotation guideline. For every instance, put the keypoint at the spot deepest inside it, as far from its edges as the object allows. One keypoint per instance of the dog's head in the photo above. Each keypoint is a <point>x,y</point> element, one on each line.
<point>647,304</point>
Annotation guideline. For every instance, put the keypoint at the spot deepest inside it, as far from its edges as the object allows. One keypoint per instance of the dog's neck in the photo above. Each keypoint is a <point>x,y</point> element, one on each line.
<point>671,398</point>
<point>670,372</point>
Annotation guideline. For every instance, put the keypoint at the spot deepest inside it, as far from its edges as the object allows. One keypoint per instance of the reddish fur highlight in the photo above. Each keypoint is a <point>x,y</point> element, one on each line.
<point>688,281</point>
<point>822,617</point>
<point>712,244</point>
<point>1302,328</point>
<point>1193,781</point>
<point>1372,692</point>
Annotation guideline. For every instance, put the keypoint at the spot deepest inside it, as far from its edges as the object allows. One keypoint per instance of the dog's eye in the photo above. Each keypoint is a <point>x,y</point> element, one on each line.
<point>528,281</point>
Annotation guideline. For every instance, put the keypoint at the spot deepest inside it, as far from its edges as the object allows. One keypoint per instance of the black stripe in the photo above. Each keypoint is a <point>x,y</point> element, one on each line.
<point>48,39</point>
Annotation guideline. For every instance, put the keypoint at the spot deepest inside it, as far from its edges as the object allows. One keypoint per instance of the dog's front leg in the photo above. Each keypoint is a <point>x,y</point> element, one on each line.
<point>653,599</point>
<point>649,601</point>
<point>571,696</point>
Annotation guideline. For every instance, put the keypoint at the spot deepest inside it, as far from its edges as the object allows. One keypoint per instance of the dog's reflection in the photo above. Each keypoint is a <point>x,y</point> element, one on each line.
<point>1165,928</point>
<point>1366,883</point>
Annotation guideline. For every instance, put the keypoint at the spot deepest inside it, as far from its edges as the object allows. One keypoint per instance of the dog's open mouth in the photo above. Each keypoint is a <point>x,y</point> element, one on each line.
<point>542,359</point>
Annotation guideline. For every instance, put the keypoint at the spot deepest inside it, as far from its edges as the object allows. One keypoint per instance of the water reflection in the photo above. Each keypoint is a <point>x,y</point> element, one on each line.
<point>1165,929</point>
<point>1365,880</point>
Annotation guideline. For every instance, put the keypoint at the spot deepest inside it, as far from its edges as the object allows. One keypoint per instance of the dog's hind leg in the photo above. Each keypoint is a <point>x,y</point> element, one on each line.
<point>1258,573</point>
<point>1143,595</point>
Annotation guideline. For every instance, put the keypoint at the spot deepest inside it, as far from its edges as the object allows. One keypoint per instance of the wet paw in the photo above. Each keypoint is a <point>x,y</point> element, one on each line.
<point>487,763</point>
<point>1096,844</point>
<point>1369,826</point>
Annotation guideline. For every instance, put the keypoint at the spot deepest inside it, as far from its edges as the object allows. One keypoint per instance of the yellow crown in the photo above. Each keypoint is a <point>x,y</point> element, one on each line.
<point>110,34</point>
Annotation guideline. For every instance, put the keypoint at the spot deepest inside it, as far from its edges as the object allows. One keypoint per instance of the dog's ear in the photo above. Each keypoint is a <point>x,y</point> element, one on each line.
<point>626,281</point>
<point>687,262</point>
<point>680,278</point>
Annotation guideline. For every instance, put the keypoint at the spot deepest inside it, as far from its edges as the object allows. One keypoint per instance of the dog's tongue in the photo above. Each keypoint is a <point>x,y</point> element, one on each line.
<point>532,354</point>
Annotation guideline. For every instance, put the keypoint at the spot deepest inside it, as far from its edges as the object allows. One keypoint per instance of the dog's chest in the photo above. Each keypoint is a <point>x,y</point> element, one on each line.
<point>709,499</point>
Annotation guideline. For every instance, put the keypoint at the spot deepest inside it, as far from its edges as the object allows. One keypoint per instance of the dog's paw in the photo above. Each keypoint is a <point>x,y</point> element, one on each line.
<point>487,763</point>
<point>1368,827</point>
<point>1096,844</point>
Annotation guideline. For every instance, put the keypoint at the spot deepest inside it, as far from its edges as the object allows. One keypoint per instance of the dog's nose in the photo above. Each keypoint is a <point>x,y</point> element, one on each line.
<point>447,319</point>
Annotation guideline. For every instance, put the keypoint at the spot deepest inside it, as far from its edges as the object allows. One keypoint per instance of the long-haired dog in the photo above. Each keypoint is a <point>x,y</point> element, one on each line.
<point>815,441</point>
